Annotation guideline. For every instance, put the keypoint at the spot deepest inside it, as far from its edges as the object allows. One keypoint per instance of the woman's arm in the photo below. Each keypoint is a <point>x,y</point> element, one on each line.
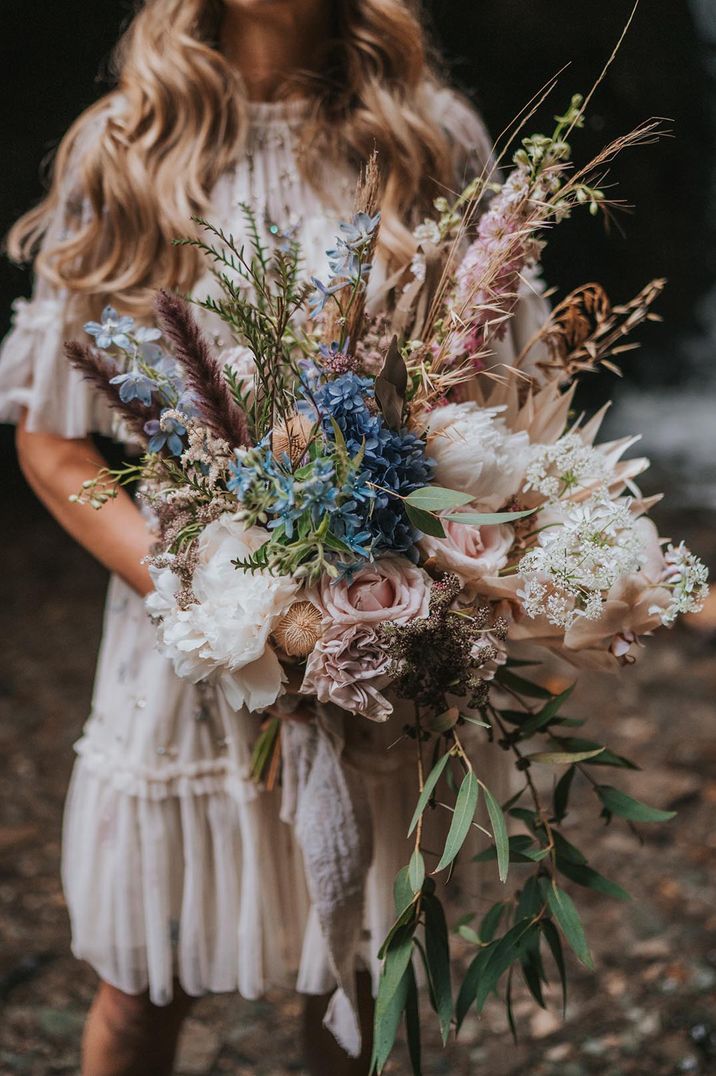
<point>117,535</point>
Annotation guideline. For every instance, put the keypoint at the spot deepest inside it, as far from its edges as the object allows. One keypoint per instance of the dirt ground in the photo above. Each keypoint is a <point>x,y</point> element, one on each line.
<point>649,1009</point>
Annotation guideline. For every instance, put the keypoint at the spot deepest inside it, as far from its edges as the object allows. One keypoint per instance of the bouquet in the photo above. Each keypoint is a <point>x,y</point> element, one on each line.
<point>356,505</point>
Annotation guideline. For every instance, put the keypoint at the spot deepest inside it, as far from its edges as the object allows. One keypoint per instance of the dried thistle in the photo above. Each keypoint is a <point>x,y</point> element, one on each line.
<point>204,376</point>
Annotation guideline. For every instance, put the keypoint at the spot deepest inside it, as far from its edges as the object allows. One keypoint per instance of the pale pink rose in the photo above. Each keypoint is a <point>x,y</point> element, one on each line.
<point>348,667</point>
<point>391,589</point>
<point>471,552</point>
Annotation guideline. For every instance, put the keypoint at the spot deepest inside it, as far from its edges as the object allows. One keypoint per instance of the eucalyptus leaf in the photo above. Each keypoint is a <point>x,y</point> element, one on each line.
<point>462,818</point>
<point>502,956</point>
<point>561,793</point>
<point>548,712</point>
<point>430,783</point>
<point>522,686</point>
<point>416,871</point>
<point>487,519</point>
<point>468,989</point>
<point>499,832</point>
<point>625,806</point>
<point>437,952</point>
<point>555,943</point>
<point>562,758</point>
<point>388,1011</point>
<point>437,498</point>
<point>412,1023</point>
<point>564,911</point>
<point>585,875</point>
<point>424,521</point>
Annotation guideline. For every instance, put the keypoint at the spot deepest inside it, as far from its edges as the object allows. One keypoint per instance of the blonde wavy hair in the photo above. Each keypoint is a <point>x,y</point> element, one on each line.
<point>147,155</point>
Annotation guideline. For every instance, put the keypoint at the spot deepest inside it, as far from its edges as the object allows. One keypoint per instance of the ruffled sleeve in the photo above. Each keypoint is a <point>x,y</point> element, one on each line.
<point>34,374</point>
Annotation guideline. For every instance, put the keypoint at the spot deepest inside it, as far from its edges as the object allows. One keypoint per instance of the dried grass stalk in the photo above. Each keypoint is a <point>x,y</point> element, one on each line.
<point>98,369</point>
<point>203,375</point>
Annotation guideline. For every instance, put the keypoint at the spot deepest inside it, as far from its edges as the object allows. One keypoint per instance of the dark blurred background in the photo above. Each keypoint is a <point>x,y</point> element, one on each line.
<point>500,52</point>
<point>651,1009</point>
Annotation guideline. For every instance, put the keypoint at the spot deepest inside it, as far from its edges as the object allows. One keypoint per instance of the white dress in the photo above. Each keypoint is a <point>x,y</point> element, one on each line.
<point>174,865</point>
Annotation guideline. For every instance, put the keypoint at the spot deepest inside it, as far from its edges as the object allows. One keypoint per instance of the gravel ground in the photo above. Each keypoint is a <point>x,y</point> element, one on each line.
<point>649,1009</point>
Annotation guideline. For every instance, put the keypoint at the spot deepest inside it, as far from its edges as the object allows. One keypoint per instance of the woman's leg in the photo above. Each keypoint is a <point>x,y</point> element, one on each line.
<point>323,1056</point>
<point>126,1035</point>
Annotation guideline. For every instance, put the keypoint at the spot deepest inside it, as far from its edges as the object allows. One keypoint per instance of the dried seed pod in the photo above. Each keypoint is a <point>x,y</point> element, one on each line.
<point>298,630</point>
<point>291,438</point>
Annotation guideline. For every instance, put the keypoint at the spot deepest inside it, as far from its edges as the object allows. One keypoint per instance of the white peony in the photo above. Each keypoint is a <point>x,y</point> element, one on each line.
<point>224,633</point>
<point>476,453</point>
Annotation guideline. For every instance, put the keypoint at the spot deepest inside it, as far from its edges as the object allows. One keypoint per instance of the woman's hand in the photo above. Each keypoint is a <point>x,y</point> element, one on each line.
<point>117,535</point>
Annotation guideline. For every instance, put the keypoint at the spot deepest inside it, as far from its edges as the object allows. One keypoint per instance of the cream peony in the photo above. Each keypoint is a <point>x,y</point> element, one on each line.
<point>476,453</point>
<point>471,552</point>
<point>224,633</point>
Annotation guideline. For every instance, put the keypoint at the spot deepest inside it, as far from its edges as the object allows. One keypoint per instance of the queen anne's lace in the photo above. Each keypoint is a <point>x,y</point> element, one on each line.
<point>564,468</point>
<point>577,559</point>
<point>686,576</point>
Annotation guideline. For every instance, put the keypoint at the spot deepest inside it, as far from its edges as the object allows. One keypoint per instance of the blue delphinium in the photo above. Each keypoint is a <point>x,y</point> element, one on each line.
<point>134,385</point>
<point>348,260</point>
<point>394,462</point>
<point>167,431</point>
<point>112,330</point>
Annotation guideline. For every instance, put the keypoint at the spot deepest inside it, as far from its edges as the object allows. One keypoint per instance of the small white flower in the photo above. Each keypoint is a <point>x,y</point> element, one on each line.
<point>580,555</point>
<point>565,468</point>
<point>686,576</point>
<point>427,232</point>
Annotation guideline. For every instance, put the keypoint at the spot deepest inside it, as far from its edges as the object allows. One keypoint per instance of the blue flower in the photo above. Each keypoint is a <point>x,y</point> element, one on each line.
<point>111,330</point>
<point>134,385</point>
<point>359,230</point>
<point>394,462</point>
<point>167,431</point>
<point>318,299</point>
<point>146,334</point>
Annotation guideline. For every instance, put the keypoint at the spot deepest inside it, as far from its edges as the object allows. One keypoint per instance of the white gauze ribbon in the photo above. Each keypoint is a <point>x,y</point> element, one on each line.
<point>326,803</point>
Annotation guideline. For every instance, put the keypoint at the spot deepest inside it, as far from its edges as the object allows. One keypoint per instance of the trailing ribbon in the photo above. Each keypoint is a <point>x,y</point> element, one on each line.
<point>326,803</point>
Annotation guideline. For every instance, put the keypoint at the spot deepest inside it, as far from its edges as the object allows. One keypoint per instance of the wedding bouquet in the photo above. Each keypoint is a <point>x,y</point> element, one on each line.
<point>354,504</point>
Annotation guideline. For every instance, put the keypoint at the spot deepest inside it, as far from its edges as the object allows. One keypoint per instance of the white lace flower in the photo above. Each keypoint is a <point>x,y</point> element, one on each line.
<point>686,577</point>
<point>427,232</point>
<point>579,556</point>
<point>224,633</point>
<point>564,468</point>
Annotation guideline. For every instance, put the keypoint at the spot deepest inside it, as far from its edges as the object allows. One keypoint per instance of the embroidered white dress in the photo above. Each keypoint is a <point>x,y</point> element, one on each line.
<point>174,865</point>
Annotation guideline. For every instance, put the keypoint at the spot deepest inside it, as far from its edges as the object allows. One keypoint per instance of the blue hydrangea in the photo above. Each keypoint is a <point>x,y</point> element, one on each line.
<point>394,461</point>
